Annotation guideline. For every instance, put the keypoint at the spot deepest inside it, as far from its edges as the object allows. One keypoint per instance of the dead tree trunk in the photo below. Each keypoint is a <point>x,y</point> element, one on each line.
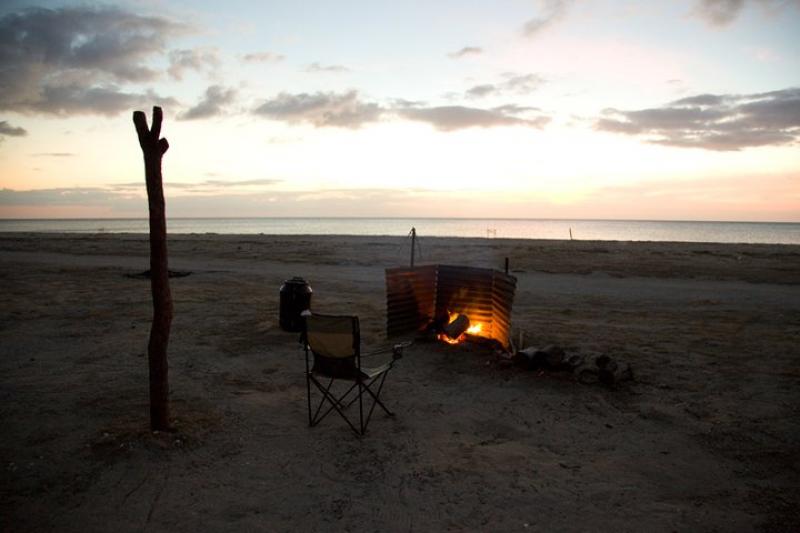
<point>153,149</point>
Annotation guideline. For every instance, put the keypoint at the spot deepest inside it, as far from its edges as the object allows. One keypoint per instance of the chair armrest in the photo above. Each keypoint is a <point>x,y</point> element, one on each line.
<point>396,350</point>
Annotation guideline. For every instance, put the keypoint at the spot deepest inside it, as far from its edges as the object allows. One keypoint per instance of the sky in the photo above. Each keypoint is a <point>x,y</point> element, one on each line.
<point>599,109</point>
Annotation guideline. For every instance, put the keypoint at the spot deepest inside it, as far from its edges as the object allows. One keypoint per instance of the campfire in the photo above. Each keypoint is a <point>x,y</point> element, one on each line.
<point>458,328</point>
<point>458,303</point>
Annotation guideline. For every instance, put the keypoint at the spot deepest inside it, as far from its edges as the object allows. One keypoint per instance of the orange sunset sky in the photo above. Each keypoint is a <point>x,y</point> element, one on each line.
<point>674,110</point>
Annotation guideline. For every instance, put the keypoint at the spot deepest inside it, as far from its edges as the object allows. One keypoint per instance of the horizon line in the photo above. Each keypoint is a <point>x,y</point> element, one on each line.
<point>5,219</point>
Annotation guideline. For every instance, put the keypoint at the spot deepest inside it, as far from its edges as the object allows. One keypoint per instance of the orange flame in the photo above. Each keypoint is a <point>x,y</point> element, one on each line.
<point>448,340</point>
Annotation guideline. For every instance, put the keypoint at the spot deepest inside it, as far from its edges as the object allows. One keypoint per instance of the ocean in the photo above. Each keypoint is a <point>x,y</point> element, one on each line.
<point>602,230</point>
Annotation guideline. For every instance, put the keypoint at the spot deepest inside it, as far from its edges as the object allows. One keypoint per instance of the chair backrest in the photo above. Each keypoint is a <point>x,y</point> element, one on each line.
<point>335,342</point>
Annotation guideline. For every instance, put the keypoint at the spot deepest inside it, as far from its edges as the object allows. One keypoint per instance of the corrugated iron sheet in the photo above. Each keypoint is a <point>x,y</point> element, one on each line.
<point>410,298</point>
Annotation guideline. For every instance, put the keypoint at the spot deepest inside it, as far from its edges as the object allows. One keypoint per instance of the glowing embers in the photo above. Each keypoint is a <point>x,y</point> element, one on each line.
<point>458,328</point>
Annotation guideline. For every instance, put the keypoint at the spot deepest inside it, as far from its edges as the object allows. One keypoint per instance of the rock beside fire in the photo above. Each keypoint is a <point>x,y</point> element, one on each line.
<point>551,357</point>
<point>610,372</point>
<point>602,368</point>
<point>605,370</point>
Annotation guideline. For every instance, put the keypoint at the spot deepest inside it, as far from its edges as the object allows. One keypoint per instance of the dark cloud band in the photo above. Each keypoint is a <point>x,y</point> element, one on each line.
<point>714,122</point>
<point>345,110</point>
<point>7,130</point>
<point>348,110</point>
<point>72,60</point>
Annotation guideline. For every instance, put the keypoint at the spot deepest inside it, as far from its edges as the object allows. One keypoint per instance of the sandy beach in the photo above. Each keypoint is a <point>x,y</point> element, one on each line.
<point>705,438</point>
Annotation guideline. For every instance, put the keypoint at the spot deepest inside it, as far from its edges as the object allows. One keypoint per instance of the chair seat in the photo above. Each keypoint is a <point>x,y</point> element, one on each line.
<point>375,371</point>
<point>367,373</point>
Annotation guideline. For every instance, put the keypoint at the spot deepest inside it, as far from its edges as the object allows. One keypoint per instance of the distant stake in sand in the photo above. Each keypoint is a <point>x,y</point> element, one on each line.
<point>153,149</point>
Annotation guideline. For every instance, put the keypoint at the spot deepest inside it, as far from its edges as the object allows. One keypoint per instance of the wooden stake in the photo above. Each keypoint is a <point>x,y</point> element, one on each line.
<point>153,149</point>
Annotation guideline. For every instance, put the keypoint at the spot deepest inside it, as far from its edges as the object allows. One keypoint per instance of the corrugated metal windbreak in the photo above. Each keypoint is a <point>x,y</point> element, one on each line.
<point>410,298</point>
<point>415,296</point>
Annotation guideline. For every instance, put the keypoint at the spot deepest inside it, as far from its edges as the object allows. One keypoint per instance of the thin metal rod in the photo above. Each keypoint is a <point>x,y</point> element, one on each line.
<point>413,244</point>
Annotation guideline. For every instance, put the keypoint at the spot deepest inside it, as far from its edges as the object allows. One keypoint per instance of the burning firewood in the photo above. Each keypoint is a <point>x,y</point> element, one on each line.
<point>456,327</point>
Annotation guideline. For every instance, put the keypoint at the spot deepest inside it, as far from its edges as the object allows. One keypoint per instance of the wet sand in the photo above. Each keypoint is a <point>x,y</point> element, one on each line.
<point>706,438</point>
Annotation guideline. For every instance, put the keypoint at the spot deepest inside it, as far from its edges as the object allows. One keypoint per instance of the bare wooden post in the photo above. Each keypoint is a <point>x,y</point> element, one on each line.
<point>153,150</point>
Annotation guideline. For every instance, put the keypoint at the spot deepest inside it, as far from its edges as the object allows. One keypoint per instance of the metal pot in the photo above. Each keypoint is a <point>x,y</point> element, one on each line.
<point>295,298</point>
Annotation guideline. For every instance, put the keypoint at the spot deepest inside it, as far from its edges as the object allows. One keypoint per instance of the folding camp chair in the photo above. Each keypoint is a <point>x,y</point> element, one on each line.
<point>335,342</point>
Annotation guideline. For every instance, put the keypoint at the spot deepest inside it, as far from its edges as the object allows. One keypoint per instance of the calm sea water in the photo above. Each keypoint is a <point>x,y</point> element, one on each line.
<point>604,230</point>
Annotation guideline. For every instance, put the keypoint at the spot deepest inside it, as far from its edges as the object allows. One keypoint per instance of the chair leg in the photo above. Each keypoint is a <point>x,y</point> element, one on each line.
<point>325,395</point>
<point>330,398</point>
<point>338,404</point>
<point>308,392</point>
<point>361,406</point>
<point>334,405</point>
<point>375,397</point>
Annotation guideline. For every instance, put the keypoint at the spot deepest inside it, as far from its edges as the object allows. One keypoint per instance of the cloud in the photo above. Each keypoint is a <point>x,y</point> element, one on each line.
<point>515,109</point>
<point>466,51</point>
<point>7,130</point>
<point>212,104</point>
<point>714,122</point>
<point>522,83</point>
<point>479,91</point>
<point>347,110</point>
<point>450,118</point>
<point>512,84</point>
<point>317,67</point>
<point>551,12</point>
<point>109,100</point>
<point>204,185</point>
<point>263,57</point>
<point>402,103</point>
<point>242,183</point>
<point>720,13</point>
<point>197,59</point>
<point>56,196</point>
<point>321,109</point>
<point>226,201</point>
<point>63,60</point>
